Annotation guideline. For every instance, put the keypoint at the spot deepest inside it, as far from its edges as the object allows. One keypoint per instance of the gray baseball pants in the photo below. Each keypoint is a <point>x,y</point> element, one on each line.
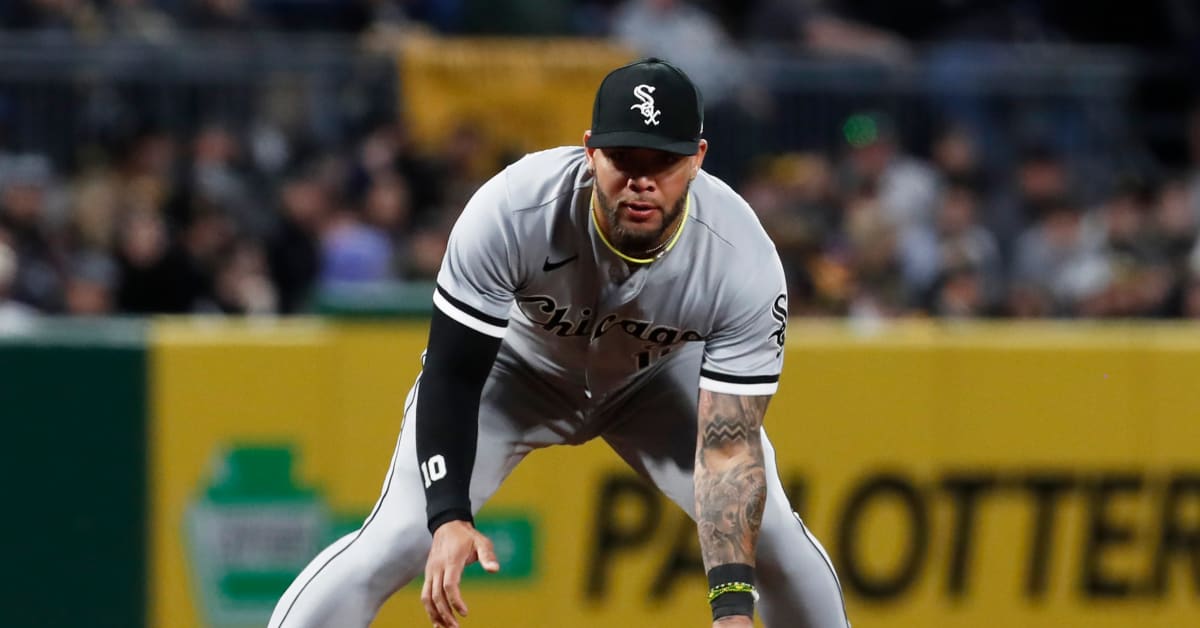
<point>652,427</point>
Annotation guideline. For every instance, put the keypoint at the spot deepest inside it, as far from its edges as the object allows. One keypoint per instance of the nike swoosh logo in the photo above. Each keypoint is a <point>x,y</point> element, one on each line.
<point>549,266</point>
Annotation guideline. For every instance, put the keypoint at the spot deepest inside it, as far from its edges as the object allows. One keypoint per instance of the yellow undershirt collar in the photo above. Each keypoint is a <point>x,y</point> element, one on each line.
<point>687,206</point>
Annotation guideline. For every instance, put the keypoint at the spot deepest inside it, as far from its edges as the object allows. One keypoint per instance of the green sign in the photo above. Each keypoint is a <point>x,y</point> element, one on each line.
<point>252,530</point>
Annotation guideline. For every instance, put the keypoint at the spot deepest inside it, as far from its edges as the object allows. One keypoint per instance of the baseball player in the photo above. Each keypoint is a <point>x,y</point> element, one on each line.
<point>614,290</point>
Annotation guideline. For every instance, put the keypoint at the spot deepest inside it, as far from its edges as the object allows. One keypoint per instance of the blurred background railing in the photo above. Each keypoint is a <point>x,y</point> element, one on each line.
<point>68,99</point>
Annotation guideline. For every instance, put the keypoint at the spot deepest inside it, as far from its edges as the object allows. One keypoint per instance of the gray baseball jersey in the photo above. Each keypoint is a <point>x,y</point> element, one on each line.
<point>525,263</point>
<point>591,348</point>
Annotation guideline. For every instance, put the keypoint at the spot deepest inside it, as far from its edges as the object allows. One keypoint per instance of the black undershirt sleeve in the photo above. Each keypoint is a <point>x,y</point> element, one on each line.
<point>457,362</point>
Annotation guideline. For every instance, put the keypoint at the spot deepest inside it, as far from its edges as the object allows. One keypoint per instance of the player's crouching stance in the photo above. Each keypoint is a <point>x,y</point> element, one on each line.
<point>592,292</point>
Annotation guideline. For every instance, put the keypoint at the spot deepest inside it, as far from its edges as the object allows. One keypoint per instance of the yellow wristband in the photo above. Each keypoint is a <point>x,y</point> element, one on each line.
<point>732,587</point>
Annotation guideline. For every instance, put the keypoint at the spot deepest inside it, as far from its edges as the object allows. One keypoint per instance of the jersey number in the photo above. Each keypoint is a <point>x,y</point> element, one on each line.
<point>433,469</point>
<point>651,355</point>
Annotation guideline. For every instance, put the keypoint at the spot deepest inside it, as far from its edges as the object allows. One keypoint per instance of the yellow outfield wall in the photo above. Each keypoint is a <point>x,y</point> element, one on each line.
<point>960,476</point>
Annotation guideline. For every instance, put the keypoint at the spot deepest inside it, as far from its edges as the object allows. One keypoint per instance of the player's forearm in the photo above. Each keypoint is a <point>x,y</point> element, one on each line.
<point>457,363</point>
<point>730,477</point>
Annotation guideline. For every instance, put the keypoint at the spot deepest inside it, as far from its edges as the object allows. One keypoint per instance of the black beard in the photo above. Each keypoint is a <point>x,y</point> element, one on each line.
<point>634,243</point>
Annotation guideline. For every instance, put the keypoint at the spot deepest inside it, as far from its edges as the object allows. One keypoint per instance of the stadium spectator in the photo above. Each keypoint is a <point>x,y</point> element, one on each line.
<point>241,282</point>
<point>353,251</point>
<point>953,255</point>
<point>138,20</point>
<point>689,36</point>
<point>955,156</point>
<point>961,292</point>
<point>155,276</point>
<point>14,315</point>
<point>1174,226</point>
<point>1040,179</point>
<point>222,176</point>
<point>1139,277</point>
<point>1059,263</point>
<point>26,182</point>
<point>907,188</point>
<point>877,287</point>
<point>90,284</point>
<point>795,196</point>
<point>293,250</point>
<point>1191,288</point>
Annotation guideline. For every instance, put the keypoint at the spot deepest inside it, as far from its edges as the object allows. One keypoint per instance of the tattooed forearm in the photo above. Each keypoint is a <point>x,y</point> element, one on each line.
<point>729,508</point>
<point>730,480</point>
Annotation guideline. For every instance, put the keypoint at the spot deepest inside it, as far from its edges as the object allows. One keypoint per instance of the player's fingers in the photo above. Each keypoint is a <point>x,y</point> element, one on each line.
<point>445,616</point>
<point>428,591</point>
<point>427,598</point>
<point>453,592</point>
<point>487,554</point>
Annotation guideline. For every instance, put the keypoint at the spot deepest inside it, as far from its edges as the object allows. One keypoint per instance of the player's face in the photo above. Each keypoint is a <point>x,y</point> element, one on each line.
<point>641,193</point>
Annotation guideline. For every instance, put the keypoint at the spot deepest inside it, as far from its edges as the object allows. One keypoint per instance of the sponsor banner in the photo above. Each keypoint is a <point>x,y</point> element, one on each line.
<point>967,476</point>
<point>537,92</point>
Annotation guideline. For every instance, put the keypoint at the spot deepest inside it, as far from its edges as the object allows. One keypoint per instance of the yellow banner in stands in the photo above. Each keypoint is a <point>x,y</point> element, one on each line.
<point>521,94</point>
<point>982,476</point>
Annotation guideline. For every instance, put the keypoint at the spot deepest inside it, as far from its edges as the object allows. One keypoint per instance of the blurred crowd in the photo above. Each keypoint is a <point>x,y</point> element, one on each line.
<point>209,225</point>
<point>227,218</point>
<point>874,231</point>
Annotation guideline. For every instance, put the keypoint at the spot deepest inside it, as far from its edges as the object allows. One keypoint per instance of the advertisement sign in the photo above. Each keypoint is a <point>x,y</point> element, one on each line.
<point>982,477</point>
<point>249,532</point>
<point>539,92</point>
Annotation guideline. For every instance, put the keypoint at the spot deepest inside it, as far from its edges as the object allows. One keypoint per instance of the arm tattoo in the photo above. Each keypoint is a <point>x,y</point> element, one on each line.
<point>731,488</point>
<point>721,432</point>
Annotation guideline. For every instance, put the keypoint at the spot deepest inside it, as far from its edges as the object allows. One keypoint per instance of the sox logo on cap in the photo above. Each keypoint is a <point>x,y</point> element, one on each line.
<point>646,107</point>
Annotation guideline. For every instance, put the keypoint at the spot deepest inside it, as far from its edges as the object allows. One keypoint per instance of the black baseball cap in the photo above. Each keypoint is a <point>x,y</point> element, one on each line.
<point>648,104</point>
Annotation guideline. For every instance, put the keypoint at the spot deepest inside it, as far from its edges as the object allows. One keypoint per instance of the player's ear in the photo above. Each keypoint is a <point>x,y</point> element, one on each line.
<point>590,152</point>
<point>698,158</point>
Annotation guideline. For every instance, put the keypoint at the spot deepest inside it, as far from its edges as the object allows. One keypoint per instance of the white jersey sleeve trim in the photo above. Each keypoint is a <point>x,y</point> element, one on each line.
<point>730,388</point>
<point>462,316</point>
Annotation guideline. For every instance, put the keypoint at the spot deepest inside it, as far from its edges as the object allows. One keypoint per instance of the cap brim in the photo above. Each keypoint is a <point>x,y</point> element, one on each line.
<point>635,139</point>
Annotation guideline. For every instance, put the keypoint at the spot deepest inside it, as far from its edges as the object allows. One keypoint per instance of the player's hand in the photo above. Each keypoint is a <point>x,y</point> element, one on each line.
<point>734,621</point>
<point>456,544</point>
